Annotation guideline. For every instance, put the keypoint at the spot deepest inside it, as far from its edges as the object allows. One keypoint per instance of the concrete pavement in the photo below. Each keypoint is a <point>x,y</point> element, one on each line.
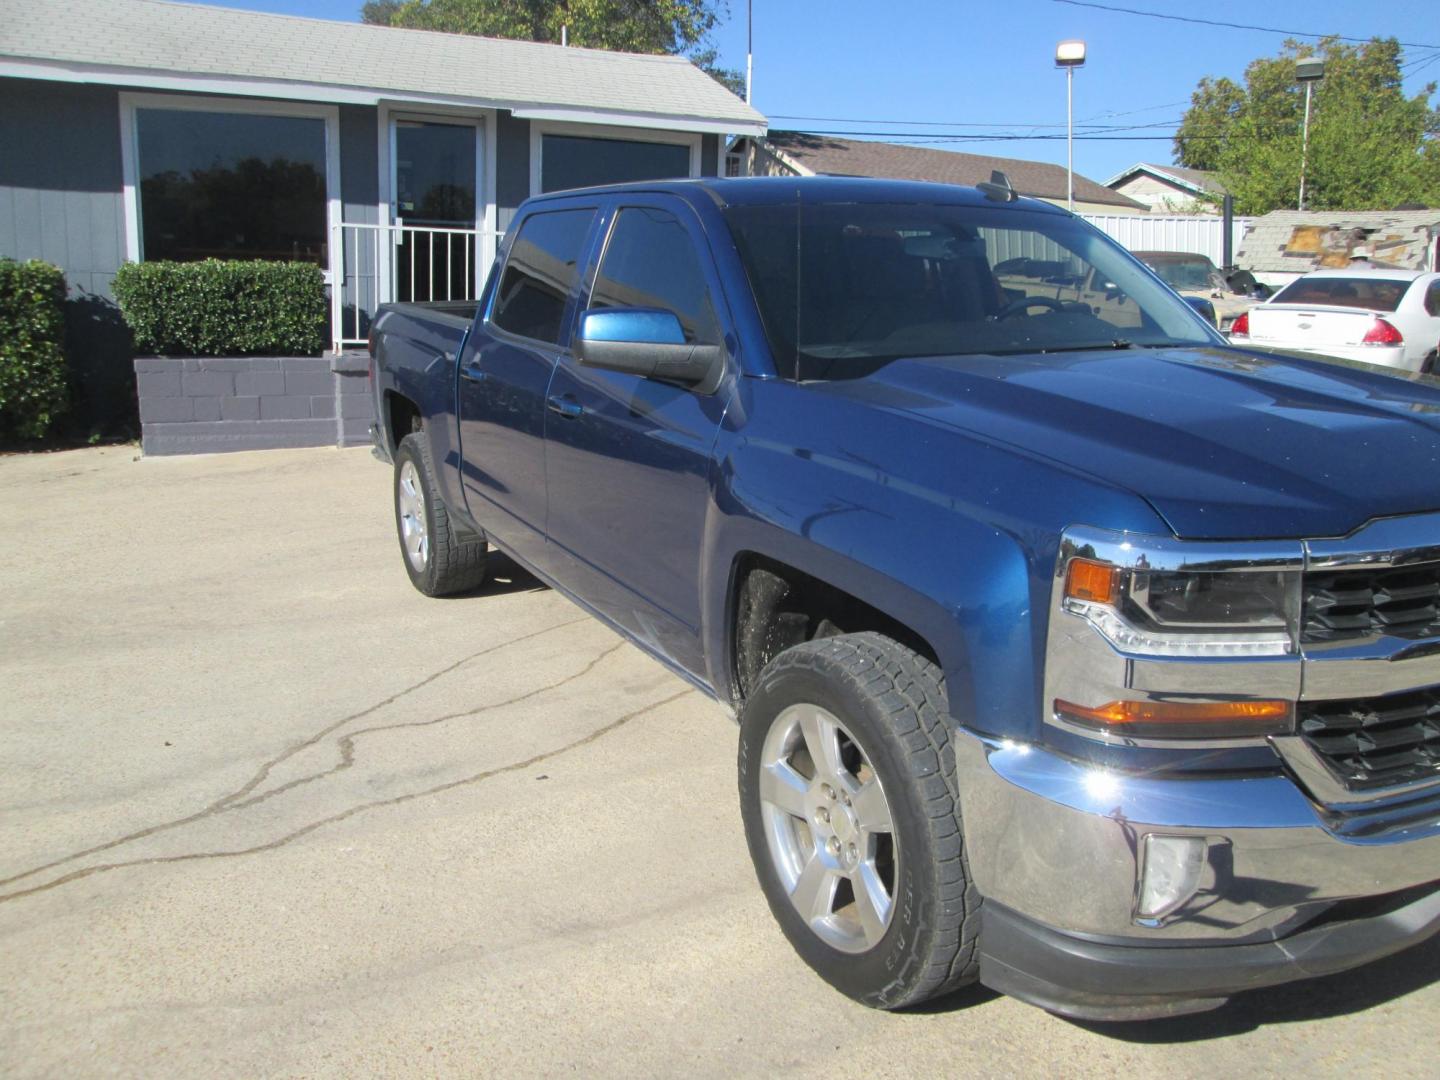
<point>268,811</point>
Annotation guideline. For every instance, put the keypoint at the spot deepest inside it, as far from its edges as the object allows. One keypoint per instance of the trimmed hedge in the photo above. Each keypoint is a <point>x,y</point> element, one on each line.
<point>32,348</point>
<point>215,308</point>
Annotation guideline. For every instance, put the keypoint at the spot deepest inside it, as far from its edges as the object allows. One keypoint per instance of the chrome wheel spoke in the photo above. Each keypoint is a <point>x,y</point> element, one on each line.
<point>822,740</point>
<point>814,892</point>
<point>872,811</point>
<point>410,503</point>
<point>872,902</point>
<point>784,788</point>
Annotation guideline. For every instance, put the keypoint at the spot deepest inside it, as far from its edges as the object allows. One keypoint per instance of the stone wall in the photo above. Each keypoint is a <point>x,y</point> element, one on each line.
<point>209,404</point>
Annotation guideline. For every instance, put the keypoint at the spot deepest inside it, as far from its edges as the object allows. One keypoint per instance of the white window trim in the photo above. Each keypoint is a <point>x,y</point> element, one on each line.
<point>130,157</point>
<point>539,129</point>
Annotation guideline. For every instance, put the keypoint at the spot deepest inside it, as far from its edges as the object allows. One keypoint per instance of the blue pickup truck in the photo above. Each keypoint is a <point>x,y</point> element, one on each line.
<point>1074,650</point>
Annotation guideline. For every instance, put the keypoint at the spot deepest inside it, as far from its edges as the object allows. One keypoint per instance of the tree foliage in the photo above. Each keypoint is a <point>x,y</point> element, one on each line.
<point>681,27</point>
<point>1371,147</point>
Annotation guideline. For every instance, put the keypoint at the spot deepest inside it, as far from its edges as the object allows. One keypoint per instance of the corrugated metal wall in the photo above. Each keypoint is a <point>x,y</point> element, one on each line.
<point>1153,232</point>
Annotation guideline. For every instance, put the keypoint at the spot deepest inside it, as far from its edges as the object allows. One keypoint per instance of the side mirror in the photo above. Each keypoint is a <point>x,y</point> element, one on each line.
<point>1203,307</point>
<point>648,342</point>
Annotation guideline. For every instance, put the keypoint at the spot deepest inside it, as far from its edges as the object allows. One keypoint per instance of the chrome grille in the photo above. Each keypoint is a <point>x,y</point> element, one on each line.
<point>1400,601</point>
<point>1380,741</point>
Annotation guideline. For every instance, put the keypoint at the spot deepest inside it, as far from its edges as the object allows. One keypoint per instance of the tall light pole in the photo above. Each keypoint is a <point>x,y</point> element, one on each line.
<point>1070,55</point>
<point>1308,71</point>
<point>749,46</point>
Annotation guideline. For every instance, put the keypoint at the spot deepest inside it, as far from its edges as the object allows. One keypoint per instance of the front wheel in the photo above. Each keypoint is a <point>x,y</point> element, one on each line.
<point>438,561</point>
<point>847,791</point>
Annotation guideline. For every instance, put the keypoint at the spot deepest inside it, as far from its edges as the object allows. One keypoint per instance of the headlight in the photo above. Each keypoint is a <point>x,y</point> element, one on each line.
<point>1185,612</point>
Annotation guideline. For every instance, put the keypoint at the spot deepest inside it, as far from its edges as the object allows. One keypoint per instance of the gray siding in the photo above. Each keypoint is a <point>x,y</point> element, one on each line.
<point>512,167</point>
<point>61,180</point>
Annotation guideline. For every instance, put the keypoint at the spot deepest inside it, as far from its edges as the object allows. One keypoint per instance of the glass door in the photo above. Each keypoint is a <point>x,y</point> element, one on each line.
<point>434,200</point>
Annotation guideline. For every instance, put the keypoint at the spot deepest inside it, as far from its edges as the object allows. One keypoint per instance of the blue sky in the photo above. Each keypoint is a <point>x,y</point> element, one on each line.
<point>967,64</point>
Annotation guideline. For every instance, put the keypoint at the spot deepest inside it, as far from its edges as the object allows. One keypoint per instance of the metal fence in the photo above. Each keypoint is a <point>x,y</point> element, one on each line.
<point>401,263</point>
<point>1200,233</point>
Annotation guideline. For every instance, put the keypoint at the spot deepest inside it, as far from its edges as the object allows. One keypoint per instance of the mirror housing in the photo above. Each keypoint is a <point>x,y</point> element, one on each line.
<point>1203,307</point>
<point>648,342</point>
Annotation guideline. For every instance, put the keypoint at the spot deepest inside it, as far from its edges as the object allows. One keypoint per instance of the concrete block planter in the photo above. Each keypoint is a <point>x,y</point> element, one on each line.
<point>203,405</point>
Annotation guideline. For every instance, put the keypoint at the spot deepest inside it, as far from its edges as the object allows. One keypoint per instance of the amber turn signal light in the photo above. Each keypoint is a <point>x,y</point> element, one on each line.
<point>1182,719</point>
<point>1096,582</point>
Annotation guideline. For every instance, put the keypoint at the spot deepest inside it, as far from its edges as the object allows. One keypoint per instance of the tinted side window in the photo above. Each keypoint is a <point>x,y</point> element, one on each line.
<point>540,273</point>
<point>651,262</point>
<point>1432,298</point>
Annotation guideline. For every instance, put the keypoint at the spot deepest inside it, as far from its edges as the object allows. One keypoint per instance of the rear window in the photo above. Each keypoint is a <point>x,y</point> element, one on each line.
<point>540,274</point>
<point>1373,294</point>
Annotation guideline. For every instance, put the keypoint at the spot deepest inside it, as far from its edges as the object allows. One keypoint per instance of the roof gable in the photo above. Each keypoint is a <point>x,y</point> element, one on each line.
<point>827,155</point>
<point>1195,181</point>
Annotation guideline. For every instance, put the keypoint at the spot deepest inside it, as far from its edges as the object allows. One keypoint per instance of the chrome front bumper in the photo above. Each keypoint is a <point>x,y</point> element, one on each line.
<point>1059,842</point>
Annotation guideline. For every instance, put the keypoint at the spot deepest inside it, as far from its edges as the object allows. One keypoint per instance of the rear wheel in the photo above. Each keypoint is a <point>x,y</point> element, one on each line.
<point>438,561</point>
<point>1431,361</point>
<point>847,790</point>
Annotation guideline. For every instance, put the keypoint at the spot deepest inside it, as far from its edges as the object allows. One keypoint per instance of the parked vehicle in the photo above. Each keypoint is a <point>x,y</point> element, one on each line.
<point>1194,275</point>
<point>1380,316</point>
<point>1073,650</point>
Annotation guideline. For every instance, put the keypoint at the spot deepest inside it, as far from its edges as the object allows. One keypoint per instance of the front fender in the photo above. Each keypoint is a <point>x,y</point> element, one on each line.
<point>951,536</point>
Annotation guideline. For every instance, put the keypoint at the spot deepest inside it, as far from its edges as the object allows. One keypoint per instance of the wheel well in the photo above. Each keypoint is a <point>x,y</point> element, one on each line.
<point>776,607</point>
<point>402,416</point>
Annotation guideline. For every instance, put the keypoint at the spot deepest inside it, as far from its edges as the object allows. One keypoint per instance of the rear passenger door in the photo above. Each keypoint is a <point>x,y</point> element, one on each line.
<point>504,374</point>
<point>628,458</point>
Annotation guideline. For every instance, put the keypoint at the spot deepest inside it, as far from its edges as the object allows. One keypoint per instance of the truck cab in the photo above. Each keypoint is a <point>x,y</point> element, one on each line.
<point>1073,649</point>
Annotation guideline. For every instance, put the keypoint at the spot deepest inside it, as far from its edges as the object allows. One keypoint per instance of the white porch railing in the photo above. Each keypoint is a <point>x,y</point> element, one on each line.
<point>384,264</point>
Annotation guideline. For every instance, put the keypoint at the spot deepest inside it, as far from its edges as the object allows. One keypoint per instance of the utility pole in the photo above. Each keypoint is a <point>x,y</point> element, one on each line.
<point>1309,71</point>
<point>749,46</point>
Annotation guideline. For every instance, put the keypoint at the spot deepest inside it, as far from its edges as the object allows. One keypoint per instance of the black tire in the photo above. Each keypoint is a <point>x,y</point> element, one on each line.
<point>890,702</point>
<point>1430,363</point>
<point>448,564</point>
<point>1243,282</point>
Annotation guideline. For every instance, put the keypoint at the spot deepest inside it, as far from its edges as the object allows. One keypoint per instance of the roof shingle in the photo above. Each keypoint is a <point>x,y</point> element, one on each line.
<point>830,156</point>
<point>166,38</point>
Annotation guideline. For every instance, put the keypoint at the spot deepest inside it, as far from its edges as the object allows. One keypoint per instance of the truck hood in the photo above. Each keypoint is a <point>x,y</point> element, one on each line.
<point>1223,443</point>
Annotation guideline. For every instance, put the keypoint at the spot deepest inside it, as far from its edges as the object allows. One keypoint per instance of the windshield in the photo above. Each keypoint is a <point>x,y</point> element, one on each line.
<point>846,287</point>
<point>1182,274</point>
<point>1374,294</point>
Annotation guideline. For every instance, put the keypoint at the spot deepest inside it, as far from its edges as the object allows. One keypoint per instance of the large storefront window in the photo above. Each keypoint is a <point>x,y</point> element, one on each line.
<point>574,161</point>
<point>231,185</point>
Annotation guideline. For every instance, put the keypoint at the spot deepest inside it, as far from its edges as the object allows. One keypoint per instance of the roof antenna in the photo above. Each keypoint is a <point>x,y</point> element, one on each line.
<point>999,188</point>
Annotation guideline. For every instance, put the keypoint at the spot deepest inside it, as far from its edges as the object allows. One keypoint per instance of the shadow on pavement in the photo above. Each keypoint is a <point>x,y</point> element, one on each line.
<point>505,576</point>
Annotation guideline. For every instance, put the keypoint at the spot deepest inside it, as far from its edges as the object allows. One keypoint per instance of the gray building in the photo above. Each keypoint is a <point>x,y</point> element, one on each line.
<point>392,159</point>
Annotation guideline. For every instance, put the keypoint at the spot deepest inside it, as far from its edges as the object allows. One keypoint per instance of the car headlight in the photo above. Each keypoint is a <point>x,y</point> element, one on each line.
<point>1185,612</point>
<point>1173,612</point>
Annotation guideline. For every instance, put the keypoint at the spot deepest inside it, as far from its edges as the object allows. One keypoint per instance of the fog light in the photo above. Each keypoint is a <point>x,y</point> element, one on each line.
<point>1170,874</point>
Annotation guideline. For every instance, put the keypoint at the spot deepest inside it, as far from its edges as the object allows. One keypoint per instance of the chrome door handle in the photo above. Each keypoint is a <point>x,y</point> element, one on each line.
<point>566,407</point>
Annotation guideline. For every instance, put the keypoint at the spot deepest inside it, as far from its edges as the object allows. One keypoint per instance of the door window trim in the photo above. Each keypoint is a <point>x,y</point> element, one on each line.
<point>583,262</point>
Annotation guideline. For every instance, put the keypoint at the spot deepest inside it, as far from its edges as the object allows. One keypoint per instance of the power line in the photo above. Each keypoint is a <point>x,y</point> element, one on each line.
<point>969,137</point>
<point>1229,25</point>
<point>968,123</point>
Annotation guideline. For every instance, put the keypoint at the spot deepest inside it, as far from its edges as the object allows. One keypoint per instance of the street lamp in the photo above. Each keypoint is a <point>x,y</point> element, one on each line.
<point>1070,55</point>
<point>1308,71</point>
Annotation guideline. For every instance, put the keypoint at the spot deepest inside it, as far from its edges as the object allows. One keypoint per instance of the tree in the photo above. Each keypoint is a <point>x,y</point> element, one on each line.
<point>680,27</point>
<point>1371,147</point>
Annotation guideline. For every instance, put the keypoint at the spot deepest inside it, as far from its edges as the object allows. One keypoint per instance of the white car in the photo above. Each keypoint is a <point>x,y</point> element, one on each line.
<point>1380,316</point>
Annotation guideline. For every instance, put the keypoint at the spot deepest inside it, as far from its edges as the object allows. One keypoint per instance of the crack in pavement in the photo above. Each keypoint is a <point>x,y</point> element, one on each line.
<point>346,743</point>
<point>486,774</point>
<point>265,769</point>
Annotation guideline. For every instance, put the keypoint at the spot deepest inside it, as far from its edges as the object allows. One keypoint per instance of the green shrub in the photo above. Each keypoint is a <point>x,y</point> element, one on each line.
<point>32,347</point>
<point>216,308</point>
